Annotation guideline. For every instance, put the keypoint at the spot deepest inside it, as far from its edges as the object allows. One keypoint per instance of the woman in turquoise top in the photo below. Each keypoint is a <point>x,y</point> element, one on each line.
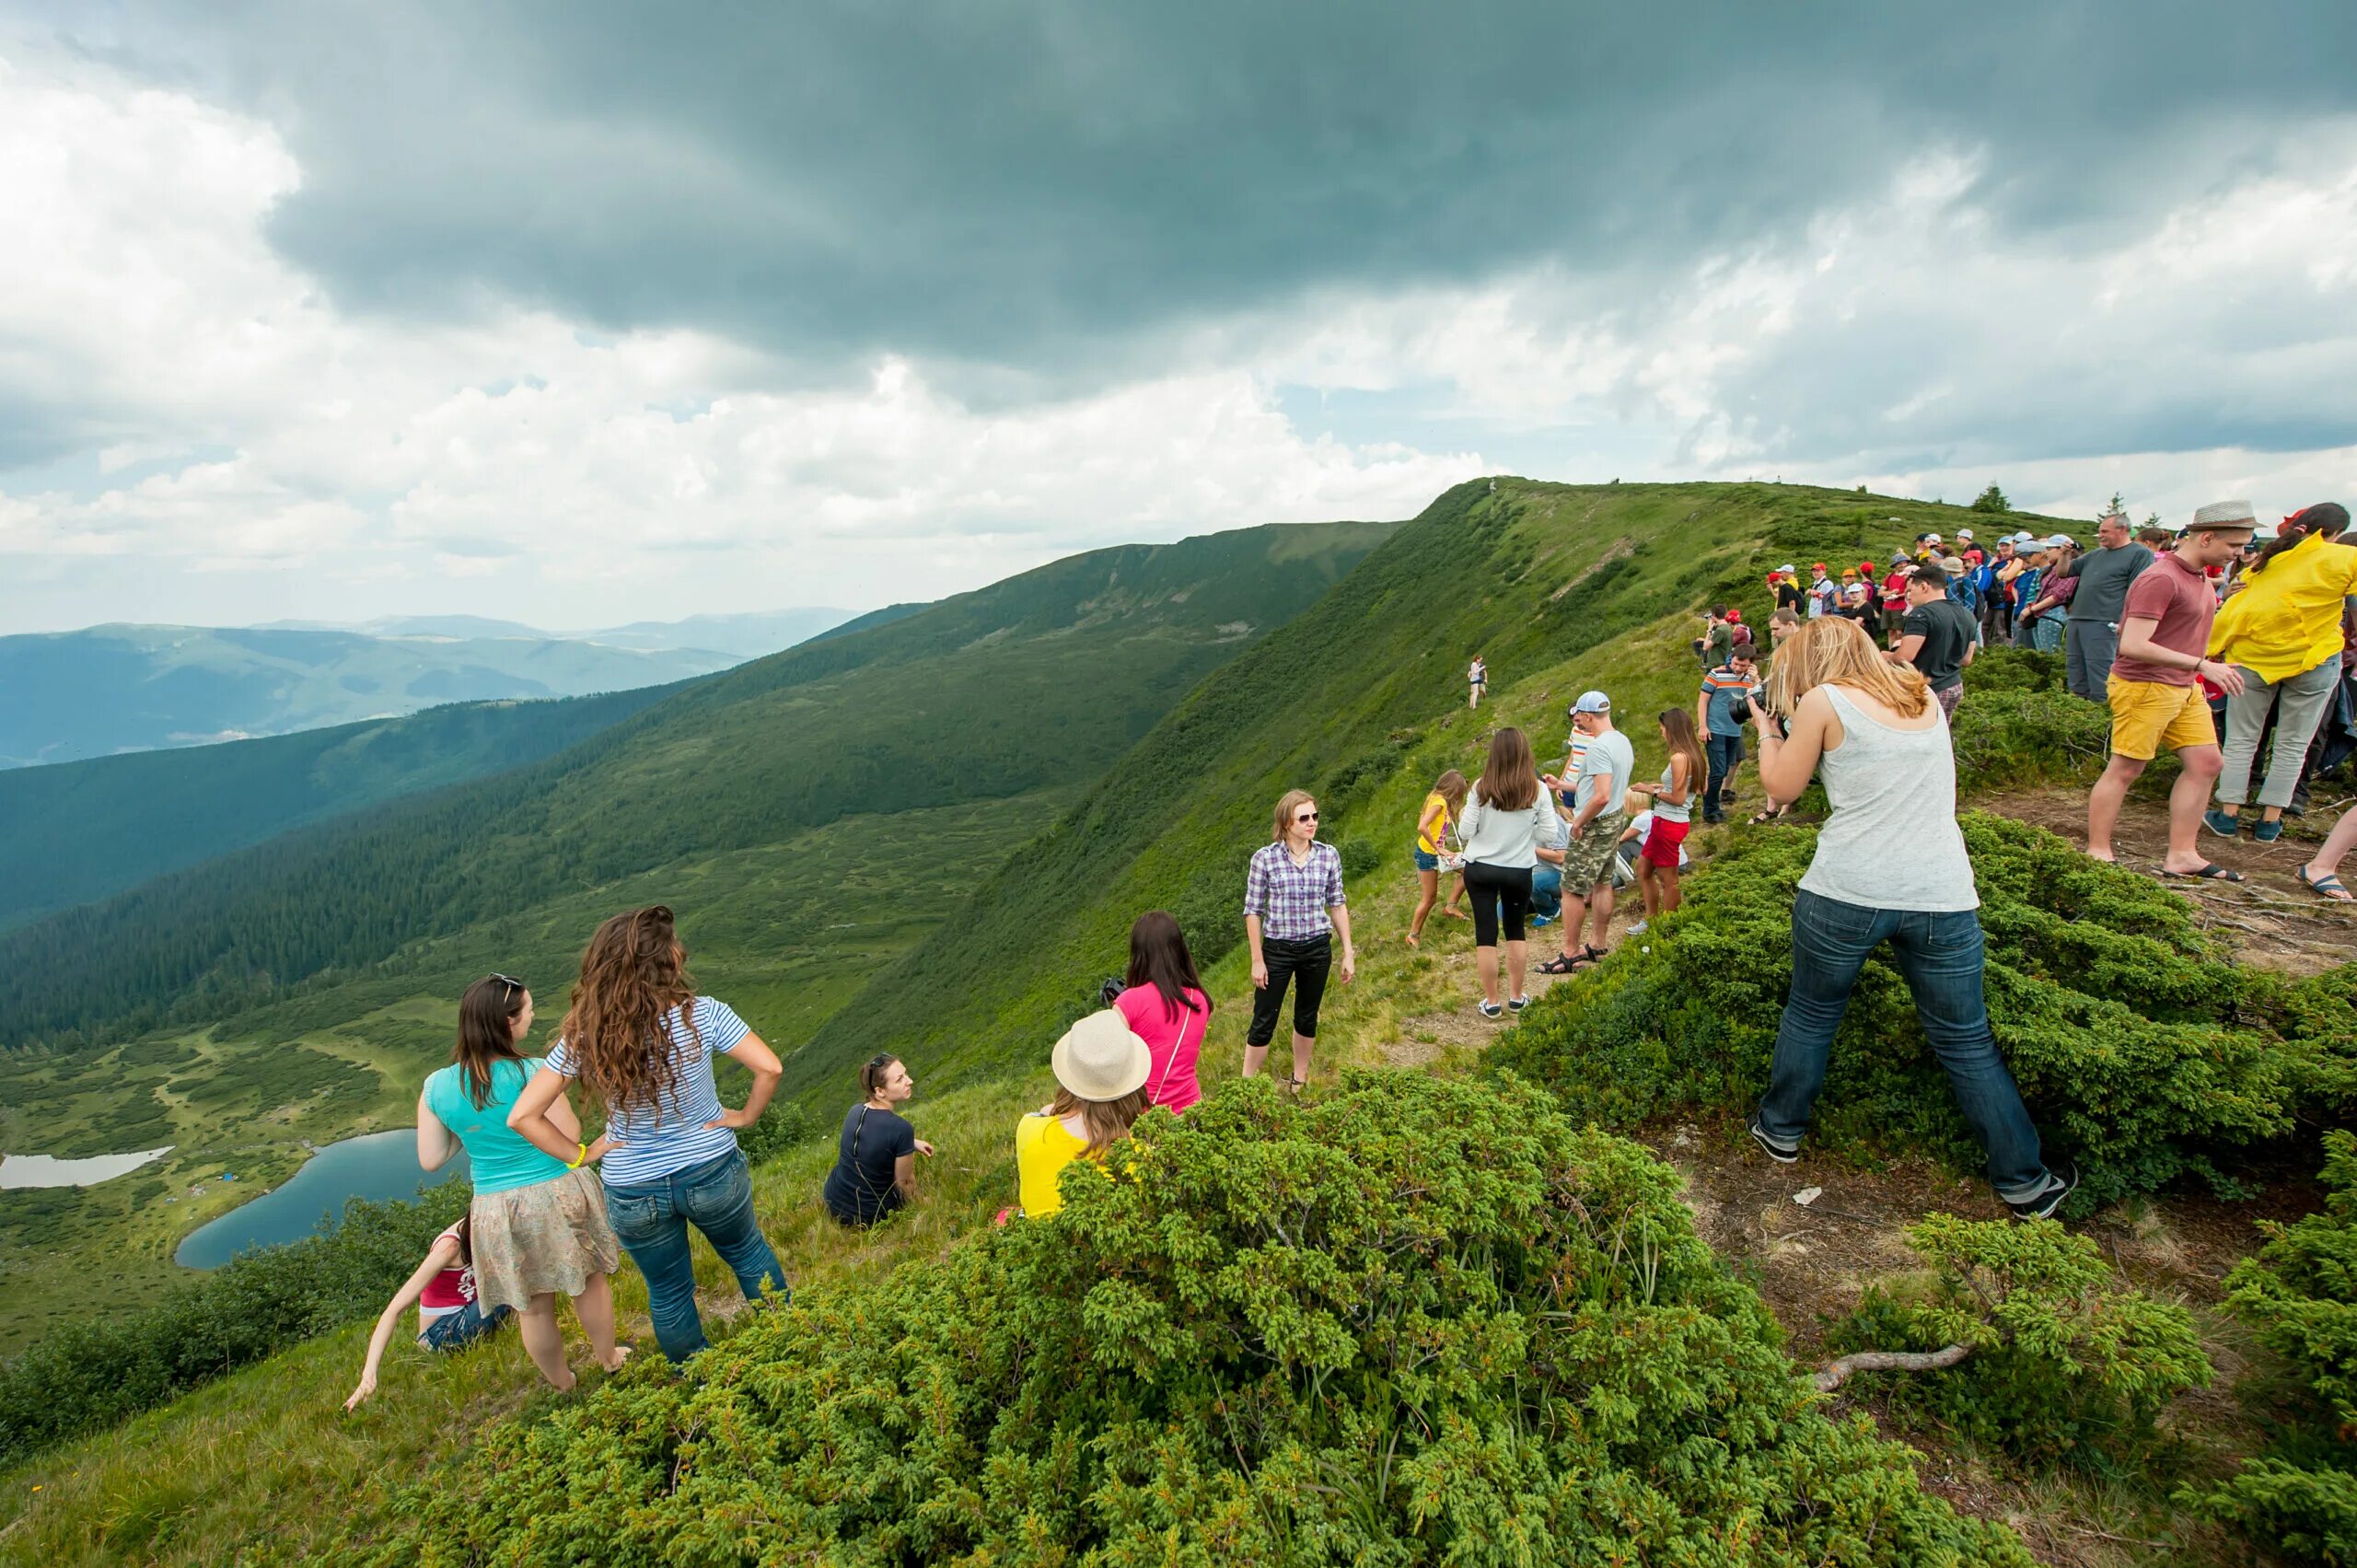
<point>538,1224</point>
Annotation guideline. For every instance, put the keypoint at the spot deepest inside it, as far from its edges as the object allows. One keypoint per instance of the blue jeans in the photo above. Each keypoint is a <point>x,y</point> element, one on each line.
<point>455,1330</point>
<point>1723,752</point>
<point>1546,890</point>
<point>651,1219</point>
<point>1941,956</point>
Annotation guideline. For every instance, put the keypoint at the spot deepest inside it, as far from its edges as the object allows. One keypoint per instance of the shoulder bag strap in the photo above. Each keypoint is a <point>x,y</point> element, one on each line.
<point>1154,1096</point>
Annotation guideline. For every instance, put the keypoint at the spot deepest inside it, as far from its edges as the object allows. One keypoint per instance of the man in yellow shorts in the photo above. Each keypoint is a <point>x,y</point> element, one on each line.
<point>2155,692</point>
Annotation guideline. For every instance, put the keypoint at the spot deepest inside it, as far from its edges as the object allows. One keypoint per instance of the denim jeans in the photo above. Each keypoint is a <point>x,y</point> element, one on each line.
<point>456,1330</point>
<point>1940,956</point>
<point>652,1219</point>
<point>1723,752</point>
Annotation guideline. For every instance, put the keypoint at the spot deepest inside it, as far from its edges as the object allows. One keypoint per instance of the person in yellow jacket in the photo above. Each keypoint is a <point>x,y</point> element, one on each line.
<point>2281,625</point>
<point>1101,1067</point>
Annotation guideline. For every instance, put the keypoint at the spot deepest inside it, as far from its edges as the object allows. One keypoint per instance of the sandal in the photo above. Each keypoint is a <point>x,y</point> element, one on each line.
<point>2210,871</point>
<point>1412,940</point>
<point>1557,965</point>
<point>2326,886</point>
<point>1589,958</point>
<point>1456,914</point>
<point>1759,818</point>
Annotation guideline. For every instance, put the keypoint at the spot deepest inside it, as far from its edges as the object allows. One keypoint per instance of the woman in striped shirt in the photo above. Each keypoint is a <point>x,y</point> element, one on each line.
<point>642,1039</point>
<point>1293,907</point>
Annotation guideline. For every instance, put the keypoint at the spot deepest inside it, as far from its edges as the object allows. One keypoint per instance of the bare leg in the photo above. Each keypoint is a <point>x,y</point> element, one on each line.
<point>1574,916</point>
<point>1302,1045</point>
<point>1517,968</point>
<point>537,1323</point>
<point>2104,802</point>
<point>595,1308</point>
<point>1647,886</point>
<point>1455,897</point>
<point>1485,959</point>
<point>1255,1058</point>
<point>1430,882</point>
<point>2336,844</point>
<point>1671,894</point>
<point>2187,799</point>
<point>1600,903</point>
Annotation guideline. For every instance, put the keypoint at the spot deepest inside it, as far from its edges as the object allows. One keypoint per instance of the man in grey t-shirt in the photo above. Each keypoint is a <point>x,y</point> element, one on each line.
<point>2094,630</point>
<point>1606,767</point>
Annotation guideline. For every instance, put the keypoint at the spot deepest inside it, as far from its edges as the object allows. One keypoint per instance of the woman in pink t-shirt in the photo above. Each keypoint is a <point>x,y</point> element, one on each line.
<point>1166,1007</point>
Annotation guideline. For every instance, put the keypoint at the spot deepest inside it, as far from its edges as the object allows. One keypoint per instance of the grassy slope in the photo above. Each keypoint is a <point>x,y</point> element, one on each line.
<point>76,832</point>
<point>1029,684</point>
<point>167,1489</point>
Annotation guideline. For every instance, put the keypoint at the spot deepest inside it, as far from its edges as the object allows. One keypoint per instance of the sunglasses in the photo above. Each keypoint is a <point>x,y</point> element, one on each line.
<point>508,981</point>
<point>1307,817</point>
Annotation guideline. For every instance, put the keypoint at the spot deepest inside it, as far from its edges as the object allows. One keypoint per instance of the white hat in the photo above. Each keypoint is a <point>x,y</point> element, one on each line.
<point>1593,702</point>
<point>2224,515</point>
<point>1788,566</point>
<point>1100,1058</point>
<point>2057,541</point>
<point>1933,539</point>
<point>2024,537</point>
<point>1964,533</point>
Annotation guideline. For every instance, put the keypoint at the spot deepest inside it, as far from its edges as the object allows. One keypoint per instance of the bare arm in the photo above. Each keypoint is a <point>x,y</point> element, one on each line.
<point>434,1145</point>
<point>1908,646</point>
<point>1681,787</point>
<point>1252,940</point>
<point>2136,643</point>
<point>441,1255</point>
<point>752,1052</point>
<point>530,1119</point>
<point>1431,824</point>
<point>1340,915</point>
<point>1788,762</point>
<point>904,1176</point>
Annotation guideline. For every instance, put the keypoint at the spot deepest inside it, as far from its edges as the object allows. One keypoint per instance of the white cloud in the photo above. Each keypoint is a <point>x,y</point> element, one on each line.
<point>158,330</point>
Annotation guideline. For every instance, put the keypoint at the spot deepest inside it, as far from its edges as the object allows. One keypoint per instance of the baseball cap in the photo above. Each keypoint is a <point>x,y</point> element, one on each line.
<point>1788,566</point>
<point>2057,541</point>
<point>1593,702</point>
<point>1848,574</point>
<point>1954,566</point>
<point>1932,538</point>
<point>1817,566</point>
<point>1964,533</point>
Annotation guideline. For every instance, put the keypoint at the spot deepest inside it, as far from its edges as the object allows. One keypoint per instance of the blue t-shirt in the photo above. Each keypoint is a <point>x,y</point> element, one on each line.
<point>497,1156</point>
<point>653,1140</point>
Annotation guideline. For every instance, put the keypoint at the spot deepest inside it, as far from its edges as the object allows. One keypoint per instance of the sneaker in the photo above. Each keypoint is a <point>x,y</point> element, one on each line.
<point>1780,1155</point>
<point>1638,928</point>
<point>2060,1184</point>
<point>1492,1010</point>
<point>2218,822</point>
<point>2268,832</point>
<point>1539,920</point>
<point>1516,1004</point>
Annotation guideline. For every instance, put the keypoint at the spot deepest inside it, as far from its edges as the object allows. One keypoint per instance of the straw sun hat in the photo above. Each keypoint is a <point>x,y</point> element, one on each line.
<point>1100,1058</point>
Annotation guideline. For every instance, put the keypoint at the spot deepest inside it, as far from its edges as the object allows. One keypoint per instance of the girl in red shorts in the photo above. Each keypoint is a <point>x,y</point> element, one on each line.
<point>1673,800</point>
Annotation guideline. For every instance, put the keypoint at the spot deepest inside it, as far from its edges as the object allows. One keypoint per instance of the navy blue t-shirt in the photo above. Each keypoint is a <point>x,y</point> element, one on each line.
<point>861,1187</point>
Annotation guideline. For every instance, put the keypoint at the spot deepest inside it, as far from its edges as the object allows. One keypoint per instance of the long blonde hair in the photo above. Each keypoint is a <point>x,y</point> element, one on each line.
<point>1288,803</point>
<point>1833,651</point>
<point>1451,787</point>
<point>1108,1121</point>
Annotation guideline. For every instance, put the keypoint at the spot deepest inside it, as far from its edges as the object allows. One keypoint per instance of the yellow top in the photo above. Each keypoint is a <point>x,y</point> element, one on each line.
<point>1425,840</point>
<point>2287,618</point>
<point>1043,1149</point>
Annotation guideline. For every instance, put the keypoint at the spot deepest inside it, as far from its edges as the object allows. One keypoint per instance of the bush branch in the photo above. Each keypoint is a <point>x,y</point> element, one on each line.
<point>1840,1371</point>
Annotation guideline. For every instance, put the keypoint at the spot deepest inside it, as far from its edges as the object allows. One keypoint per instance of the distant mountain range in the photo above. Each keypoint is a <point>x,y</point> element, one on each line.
<point>72,695</point>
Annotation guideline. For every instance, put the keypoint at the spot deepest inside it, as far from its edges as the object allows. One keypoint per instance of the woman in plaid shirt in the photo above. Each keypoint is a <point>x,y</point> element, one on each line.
<point>1292,905</point>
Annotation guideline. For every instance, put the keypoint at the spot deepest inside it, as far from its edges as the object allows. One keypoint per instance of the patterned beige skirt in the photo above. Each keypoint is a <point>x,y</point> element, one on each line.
<point>551,1236</point>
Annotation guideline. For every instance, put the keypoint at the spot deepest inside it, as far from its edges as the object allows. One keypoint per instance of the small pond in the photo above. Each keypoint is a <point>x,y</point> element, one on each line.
<point>376,1166</point>
<point>47,1170</point>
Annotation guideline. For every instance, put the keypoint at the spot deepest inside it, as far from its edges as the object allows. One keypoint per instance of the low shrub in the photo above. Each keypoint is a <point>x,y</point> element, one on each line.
<point>100,1371</point>
<point>2061,1367</point>
<point>1416,1321</point>
<point>782,1126</point>
<point>2137,1043</point>
<point>2300,1291</point>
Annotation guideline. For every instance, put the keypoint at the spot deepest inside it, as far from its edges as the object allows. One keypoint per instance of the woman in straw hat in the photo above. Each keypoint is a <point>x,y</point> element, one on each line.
<point>1101,1067</point>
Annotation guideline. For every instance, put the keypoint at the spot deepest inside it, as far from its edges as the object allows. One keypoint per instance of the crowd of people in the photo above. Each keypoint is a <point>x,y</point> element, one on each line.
<point>2222,622</point>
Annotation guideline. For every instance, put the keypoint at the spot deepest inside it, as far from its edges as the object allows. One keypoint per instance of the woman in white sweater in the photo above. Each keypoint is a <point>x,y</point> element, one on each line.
<point>1507,817</point>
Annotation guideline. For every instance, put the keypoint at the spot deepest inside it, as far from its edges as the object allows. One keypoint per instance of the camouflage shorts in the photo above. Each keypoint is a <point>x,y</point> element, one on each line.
<point>1587,859</point>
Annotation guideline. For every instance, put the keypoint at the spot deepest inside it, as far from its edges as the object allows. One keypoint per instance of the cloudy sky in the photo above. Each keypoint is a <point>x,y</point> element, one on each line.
<point>579,313</point>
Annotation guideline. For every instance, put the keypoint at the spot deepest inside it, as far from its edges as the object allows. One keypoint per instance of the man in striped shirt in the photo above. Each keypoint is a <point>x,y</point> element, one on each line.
<point>1723,732</point>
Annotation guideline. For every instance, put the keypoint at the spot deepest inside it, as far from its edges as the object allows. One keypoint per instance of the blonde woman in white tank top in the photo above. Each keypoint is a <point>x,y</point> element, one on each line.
<point>1890,866</point>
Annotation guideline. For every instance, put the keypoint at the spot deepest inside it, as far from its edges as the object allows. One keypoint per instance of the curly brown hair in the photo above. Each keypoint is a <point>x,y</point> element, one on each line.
<point>632,973</point>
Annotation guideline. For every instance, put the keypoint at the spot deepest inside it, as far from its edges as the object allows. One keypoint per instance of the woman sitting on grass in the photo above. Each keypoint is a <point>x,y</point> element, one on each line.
<point>1435,825</point>
<point>875,1159</point>
<point>1101,1068</point>
<point>449,1316</point>
<point>643,1041</point>
<point>537,1225</point>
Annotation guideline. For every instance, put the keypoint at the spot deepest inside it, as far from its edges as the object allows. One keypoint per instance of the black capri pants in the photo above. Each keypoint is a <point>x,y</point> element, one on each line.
<point>1305,964</point>
<point>1495,890</point>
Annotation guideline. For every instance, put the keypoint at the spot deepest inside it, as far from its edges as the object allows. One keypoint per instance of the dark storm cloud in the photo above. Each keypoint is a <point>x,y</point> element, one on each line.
<point>1039,191</point>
